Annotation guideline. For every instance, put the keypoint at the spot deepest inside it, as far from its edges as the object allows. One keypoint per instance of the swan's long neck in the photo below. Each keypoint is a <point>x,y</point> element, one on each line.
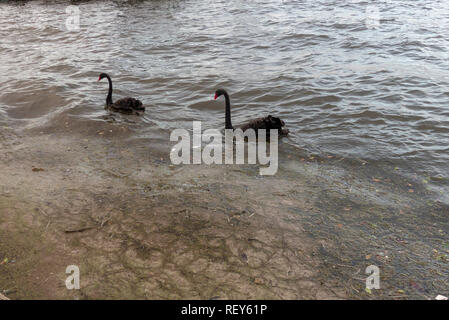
<point>109,97</point>
<point>228,123</point>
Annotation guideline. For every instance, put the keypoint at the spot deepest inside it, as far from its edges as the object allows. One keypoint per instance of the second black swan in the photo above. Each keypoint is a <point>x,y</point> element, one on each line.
<point>267,123</point>
<point>125,105</point>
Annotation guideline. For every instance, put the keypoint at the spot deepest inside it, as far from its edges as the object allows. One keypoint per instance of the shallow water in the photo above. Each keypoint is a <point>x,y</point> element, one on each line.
<point>350,79</point>
<point>362,91</point>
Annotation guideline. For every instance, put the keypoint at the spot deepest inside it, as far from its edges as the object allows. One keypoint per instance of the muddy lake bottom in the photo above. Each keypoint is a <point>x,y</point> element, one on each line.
<point>139,227</point>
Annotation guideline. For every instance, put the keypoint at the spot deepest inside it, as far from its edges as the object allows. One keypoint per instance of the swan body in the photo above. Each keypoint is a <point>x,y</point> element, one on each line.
<point>268,123</point>
<point>125,105</point>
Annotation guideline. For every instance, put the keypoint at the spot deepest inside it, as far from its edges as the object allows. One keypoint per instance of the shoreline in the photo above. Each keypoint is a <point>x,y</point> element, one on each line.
<point>141,228</point>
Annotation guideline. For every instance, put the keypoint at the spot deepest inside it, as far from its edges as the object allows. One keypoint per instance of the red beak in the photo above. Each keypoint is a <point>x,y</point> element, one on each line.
<point>98,79</point>
<point>215,98</point>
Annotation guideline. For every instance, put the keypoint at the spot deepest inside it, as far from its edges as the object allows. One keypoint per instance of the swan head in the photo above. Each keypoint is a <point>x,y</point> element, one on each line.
<point>218,93</point>
<point>102,75</point>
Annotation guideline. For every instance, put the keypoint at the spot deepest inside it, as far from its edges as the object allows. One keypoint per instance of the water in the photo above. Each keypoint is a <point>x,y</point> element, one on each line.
<point>350,78</point>
<point>362,86</point>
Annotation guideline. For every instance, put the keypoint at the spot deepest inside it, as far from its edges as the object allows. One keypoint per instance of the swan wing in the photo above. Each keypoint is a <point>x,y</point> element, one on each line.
<point>128,105</point>
<point>266,123</point>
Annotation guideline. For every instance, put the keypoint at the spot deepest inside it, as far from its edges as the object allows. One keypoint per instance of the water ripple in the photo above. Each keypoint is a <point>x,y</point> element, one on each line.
<point>342,80</point>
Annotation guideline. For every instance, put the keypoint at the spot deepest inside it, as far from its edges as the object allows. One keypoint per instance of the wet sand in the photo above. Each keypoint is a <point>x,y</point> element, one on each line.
<point>141,228</point>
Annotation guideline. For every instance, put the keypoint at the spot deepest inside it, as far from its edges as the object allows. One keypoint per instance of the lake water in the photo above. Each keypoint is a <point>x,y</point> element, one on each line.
<point>350,79</point>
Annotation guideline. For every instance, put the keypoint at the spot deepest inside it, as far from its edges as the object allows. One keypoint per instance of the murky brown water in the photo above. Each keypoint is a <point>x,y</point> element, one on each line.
<point>363,104</point>
<point>378,94</point>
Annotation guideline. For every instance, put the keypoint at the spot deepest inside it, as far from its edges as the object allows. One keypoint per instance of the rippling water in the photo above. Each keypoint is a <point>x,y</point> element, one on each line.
<point>358,79</point>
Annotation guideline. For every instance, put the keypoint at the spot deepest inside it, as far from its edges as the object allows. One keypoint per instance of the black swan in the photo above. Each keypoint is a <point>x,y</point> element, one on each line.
<point>267,123</point>
<point>125,105</point>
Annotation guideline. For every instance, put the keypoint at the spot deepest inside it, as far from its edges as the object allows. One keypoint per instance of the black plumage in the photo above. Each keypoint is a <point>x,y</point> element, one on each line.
<point>125,105</point>
<point>268,123</point>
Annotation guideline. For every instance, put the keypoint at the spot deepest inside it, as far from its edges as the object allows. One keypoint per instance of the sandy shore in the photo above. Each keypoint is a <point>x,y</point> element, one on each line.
<point>145,230</point>
<point>141,228</point>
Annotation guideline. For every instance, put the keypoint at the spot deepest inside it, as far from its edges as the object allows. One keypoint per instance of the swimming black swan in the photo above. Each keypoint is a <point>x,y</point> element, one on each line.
<point>267,123</point>
<point>125,105</point>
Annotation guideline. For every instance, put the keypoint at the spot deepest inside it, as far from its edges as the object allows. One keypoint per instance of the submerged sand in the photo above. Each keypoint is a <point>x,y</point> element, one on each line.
<point>139,227</point>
